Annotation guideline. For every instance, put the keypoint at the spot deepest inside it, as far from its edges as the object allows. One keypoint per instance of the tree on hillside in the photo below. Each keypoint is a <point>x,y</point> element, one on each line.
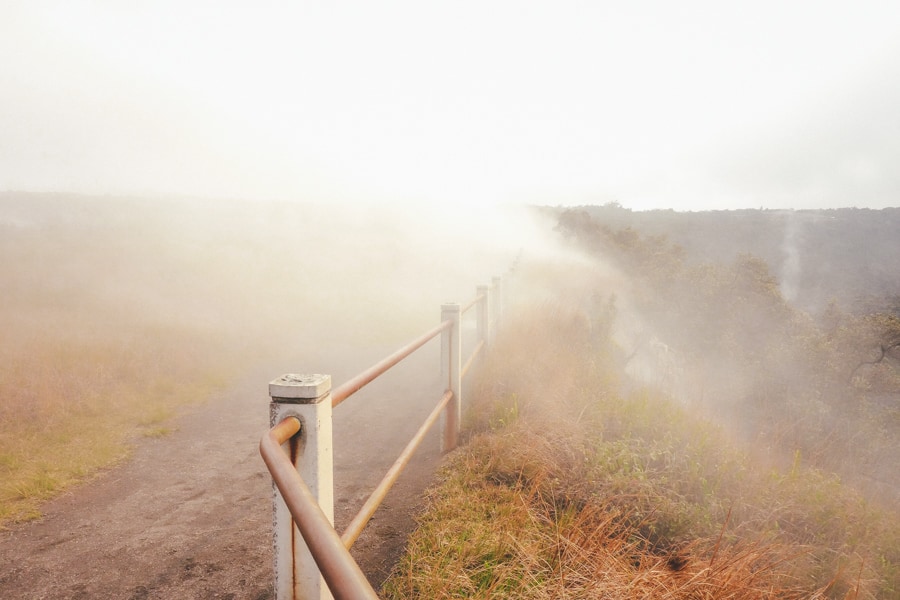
<point>782,378</point>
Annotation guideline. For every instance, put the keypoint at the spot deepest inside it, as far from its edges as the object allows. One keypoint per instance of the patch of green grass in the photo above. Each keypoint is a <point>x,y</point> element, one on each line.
<point>598,490</point>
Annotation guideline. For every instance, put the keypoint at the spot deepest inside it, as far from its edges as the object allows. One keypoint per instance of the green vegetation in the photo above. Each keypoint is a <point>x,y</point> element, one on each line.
<point>682,432</point>
<point>574,485</point>
<point>782,379</point>
<point>845,255</point>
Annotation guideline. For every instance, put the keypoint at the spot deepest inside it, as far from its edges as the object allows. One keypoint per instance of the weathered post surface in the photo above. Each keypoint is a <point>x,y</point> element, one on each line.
<point>451,356</point>
<point>308,398</point>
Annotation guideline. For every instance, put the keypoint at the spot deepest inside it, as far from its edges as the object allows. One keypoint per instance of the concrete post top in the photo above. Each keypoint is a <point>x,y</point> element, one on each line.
<point>300,389</point>
<point>450,307</point>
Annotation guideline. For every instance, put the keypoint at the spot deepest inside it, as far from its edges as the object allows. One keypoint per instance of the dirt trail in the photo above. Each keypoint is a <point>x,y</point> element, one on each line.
<point>189,515</point>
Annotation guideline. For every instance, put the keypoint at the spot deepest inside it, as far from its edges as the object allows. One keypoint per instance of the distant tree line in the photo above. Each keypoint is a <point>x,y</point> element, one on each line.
<point>790,375</point>
<point>848,255</point>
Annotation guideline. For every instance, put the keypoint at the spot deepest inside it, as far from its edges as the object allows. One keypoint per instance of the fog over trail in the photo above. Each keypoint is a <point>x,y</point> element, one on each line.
<point>248,291</point>
<point>257,264</point>
<point>102,288</point>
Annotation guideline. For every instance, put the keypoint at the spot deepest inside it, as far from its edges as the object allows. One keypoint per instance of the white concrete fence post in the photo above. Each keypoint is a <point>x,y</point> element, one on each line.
<point>451,356</point>
<point>307,397</point>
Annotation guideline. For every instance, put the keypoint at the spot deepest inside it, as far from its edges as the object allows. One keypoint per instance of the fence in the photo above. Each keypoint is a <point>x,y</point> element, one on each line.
<point>298,450</point>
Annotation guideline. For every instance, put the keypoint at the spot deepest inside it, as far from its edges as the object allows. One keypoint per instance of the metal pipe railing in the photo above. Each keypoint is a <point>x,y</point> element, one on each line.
<point>323,545</point>
<point>478,348</point>
<point>349,388</point>
<point>471,304</point>
<point>344,577</point>
<point>359,522</point>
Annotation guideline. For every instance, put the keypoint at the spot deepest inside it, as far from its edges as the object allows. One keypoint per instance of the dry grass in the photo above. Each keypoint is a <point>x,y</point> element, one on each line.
<point>92,357</point>
<point>116,312</point>
<point>574,484</point>
<point>513,540</point>
<point>72,405</point>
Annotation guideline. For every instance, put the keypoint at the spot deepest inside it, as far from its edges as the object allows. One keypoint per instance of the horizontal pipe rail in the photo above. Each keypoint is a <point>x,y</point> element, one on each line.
<point>475,353</point>
<point>330,551</point>
<point>344,577</point>
<point>359,522</point>
<point>471,304</point>
<point>349,388</point>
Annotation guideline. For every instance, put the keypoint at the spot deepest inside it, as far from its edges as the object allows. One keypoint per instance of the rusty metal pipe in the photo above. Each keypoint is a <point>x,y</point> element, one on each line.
<point>356,526</point>
<point>344,577</point>
<point>471,304</point>
<point>349,388</point>
<point>478,348</point>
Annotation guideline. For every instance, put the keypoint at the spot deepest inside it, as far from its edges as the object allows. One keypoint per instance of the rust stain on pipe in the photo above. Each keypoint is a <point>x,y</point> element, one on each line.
<point>344,577</point>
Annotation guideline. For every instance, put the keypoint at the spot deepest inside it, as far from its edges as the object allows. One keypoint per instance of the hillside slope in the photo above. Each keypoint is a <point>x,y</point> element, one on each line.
<point>580,480</point>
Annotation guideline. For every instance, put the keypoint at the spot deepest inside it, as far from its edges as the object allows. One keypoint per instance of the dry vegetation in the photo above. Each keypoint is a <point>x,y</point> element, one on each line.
<point>577,482</point>
<point>72,406</point>
<point>90,357</point>
<point>117,313</point>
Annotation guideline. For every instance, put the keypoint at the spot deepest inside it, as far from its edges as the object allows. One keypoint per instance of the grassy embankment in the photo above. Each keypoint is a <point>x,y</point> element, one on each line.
<point>575,483</point>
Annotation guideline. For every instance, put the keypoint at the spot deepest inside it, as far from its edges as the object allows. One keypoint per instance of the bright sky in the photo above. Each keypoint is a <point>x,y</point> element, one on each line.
<point>655,104</point>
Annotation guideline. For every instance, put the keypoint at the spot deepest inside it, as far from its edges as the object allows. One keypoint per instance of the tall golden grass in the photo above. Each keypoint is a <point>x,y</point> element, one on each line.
<point>575,483</point>
<point>107,333</point>
<point>74,401</point>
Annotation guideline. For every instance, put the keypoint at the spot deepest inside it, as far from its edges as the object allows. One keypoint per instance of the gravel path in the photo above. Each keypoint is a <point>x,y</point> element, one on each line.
<point>189,515</point>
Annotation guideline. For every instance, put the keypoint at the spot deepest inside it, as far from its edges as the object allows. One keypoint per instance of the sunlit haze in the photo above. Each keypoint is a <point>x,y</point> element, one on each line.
<point>691,105</point>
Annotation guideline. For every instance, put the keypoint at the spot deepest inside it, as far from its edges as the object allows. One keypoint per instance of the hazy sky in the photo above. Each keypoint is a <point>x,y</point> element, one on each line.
<point>687,105</point>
